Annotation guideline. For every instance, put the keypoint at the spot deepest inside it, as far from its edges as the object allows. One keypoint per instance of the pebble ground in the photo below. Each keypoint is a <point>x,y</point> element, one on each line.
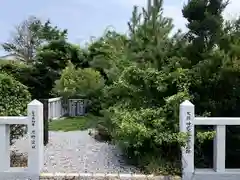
<point>78,152</point>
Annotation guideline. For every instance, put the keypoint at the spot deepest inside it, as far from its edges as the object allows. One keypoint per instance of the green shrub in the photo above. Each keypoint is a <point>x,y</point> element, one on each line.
<point>81,83</point>
<point>78,83</point>
<point>23,73</point>
<point>14,99</point>
<point>143,116</point>
<point>16,69</point>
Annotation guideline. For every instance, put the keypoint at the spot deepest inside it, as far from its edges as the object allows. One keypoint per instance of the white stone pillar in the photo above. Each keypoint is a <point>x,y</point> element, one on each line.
<point>186,125</point>
<point>35,132</point>
<point>219,147</point>
<point>4,147</point>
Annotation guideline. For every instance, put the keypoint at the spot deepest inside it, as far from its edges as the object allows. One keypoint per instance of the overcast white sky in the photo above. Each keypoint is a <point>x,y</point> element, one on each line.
<point>86,18</point>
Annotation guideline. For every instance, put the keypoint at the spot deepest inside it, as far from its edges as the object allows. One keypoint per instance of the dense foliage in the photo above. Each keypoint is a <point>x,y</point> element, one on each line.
<point>78,83</point>
<point>14,99</point>
<point>14,96</point>
<point>136,81</point>
<point>26,74</point>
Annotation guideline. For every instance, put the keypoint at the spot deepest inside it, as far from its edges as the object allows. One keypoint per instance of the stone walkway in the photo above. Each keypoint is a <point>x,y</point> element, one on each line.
<point>77,152</point>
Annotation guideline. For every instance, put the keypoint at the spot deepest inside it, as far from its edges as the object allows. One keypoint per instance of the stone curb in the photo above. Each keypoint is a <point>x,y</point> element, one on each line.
<point>102,176</point>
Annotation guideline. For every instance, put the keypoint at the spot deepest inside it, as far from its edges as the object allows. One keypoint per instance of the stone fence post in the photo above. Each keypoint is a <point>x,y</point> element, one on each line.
<point>35,132</point>
<point>186,125</point>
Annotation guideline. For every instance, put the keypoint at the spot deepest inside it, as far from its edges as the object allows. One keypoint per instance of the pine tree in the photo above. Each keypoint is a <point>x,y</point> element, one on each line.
<point>149,35</point>
<point>230,41</point>
<point>205,26</point>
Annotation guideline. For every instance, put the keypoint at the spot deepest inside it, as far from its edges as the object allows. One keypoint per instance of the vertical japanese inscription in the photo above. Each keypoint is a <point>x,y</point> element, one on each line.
<point>33,132</point>
<point>189,129</point>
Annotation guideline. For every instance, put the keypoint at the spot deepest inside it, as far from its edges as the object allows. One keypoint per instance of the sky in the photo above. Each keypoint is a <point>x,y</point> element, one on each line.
<point>87,18</point>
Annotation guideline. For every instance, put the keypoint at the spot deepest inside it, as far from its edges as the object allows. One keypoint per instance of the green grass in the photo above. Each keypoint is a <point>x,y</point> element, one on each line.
<point>74,124</point>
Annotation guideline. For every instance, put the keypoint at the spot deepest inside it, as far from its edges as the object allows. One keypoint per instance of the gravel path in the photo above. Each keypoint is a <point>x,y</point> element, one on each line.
<point>76,152</point>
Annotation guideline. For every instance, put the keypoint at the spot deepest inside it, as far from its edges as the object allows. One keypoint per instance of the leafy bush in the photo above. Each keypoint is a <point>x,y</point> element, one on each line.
<point>142,104</point>
<point>17,70</point>
<point>26,74</point>
<point>14,99</point>
<point>51,59</point>
<point>78,83</point>
<point>143,116</point>
<point>143,112</point>
<point>81,83</point>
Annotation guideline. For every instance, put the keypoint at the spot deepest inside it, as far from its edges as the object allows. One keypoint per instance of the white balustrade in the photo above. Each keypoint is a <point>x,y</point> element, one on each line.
<point>188,121</point>
<point>34,122</point>
<point>55,108</point>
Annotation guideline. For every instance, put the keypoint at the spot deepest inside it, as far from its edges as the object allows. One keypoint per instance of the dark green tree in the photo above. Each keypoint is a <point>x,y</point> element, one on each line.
<point>107,55</point>
<point>51,59</point>
<point>149,34</point>
<point>142,104</point>
<point>230,41</point>
<point>213,53</point>
<point>205,23</point>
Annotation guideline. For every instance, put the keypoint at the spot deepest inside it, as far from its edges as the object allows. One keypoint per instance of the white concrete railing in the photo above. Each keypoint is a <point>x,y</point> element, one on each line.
<point>34,122</point>
<point>55,108</point>
<point>187,124</point>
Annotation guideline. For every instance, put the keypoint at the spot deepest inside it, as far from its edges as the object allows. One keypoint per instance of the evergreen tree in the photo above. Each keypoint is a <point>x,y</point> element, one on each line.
<point>230,41</point>
<point>149,34</point>
<point>205,26</point>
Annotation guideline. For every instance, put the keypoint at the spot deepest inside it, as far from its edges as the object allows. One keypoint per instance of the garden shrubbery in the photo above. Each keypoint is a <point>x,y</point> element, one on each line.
<point>80,83</point>
<point>141,106</point>
<point>14,99</point>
